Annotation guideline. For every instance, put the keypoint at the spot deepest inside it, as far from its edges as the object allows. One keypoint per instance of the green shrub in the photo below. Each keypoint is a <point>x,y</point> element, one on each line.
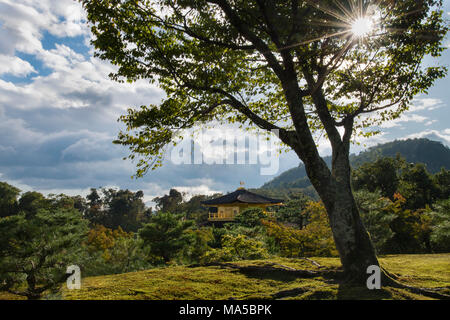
<point>440,235</point>
<point>36,248</point>
<point>166,236</point>
<point>201,237</point>
<point>237,247</point>
<point>375,218</point>
<point>250,217</point>
<point>126,254</point>
<point>315,239</point>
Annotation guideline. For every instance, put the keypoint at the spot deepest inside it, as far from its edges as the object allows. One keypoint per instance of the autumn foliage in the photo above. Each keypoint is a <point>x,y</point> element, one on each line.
<point>315,239</point>
<point>104,239</point>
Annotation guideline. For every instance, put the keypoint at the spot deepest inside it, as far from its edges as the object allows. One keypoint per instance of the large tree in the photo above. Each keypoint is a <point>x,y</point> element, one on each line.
<point>37,247</point>
<point>305,68</point>
<point>8,199</point>
<point>117,208</point>
<point>166,235</point>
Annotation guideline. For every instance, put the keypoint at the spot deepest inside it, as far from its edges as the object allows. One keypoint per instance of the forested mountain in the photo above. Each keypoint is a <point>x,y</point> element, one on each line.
<point>433,154</point>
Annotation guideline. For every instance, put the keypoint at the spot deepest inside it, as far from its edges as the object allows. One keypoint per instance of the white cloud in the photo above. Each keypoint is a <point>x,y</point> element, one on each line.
<point>20,28</point>
<point>15,66</point>
<point>417,105</point>
<point>24,21</point>
<point>74,83</point>
<point>429,104</point>
<point>404,118</point>
<point>62,58</point>
<point>442,136</point>
<point>190,191</point>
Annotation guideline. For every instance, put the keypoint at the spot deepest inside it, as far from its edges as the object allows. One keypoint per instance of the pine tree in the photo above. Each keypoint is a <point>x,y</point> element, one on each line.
<point>36,250</point>
<point>166,235</point>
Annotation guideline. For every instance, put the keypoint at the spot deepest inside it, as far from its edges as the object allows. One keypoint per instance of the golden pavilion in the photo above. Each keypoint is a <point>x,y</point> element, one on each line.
<point>226,208</point>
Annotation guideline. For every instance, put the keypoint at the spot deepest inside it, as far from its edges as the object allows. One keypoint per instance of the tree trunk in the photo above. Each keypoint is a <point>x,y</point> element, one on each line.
<point>352,241</point>
<point>31,293</point>
<point>351,238</point>
<point>33,296</point>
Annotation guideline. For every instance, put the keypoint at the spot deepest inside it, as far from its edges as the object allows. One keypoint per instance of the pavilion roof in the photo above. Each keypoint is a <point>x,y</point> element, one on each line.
<point>243,196</point>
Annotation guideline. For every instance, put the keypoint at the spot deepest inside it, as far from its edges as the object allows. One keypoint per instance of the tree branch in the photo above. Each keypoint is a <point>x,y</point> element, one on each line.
<point>288,137</point>
<point>268,18</point>
<point>185,29</point>
<point>243,28</point>
<point>323,112</point>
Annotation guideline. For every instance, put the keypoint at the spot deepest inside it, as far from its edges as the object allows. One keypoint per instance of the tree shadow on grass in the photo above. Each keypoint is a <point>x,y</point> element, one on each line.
<point>319,291</point>
<point>278,275</point>
<point>269,272</point>
<point>331,276</point>
<point>263,272</point>
<point>349,292</point>
<point>344,292</point>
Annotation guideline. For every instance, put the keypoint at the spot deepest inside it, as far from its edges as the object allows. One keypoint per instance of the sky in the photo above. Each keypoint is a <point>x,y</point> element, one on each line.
<point>59,111</point>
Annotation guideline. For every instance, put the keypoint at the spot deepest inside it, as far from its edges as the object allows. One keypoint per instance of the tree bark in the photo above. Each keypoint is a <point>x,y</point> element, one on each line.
<point>351,238</point>
<point>352,241</point>
<point>31,293</point>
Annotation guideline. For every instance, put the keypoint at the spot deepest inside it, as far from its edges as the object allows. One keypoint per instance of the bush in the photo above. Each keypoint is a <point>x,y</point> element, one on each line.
<point>250,217</point>
<point>293,211</point>
<point>166,236</point>
<point>237,247</point>
<point>440,234</point>
<point>411,229</point>
<point>315,239</point>
<point>201,237</point>
<point>113,251</point>
<point>375,218</point>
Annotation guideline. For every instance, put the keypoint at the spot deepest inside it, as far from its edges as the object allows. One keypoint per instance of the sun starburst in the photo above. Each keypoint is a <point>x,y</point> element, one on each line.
<point>362,26</point>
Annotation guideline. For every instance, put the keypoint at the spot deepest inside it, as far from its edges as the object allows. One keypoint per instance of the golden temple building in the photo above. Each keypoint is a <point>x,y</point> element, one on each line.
<point>226,208</point>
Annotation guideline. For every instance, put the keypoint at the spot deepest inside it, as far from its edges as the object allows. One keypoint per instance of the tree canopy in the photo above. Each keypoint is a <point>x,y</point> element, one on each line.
<point>166,235</point>
<point>8,199</point>
<point>37,248</point>
<point>295,66</point>
<point>113,208</point>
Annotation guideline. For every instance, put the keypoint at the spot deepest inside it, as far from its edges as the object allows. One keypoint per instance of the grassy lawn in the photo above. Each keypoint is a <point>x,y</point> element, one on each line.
<point>213,282</point>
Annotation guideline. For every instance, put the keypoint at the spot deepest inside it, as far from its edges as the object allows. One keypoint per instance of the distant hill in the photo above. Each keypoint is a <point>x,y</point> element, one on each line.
<point>433,154</point>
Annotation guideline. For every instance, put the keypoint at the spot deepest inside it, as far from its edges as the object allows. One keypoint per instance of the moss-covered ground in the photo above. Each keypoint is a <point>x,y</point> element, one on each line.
<point>218,282</point>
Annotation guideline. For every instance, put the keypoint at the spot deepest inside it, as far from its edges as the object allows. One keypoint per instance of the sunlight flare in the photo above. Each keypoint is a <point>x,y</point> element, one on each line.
<point>362,27</point>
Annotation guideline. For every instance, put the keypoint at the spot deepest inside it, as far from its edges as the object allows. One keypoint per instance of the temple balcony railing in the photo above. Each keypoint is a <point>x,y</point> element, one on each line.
<point>214,216</point>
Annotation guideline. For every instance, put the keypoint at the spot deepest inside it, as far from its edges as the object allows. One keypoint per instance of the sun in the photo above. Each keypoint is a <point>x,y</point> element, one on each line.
<point>362,27</point>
